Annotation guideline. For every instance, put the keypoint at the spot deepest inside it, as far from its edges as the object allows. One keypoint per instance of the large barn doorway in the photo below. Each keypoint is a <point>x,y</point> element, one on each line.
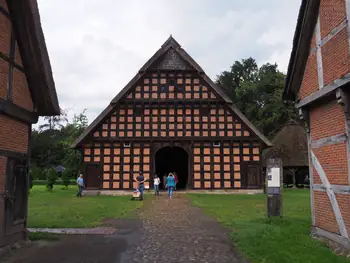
<point>172,159</point>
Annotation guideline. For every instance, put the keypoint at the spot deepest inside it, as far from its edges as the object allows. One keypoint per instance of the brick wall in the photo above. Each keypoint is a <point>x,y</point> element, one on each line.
<point>13,135</point>
<point>20,91</point>
<point>332,13</point>
<point>333,159</point>
<point>335,57</point>
<point>310,81</point>
<point>327,120</point>
<point>324,215</point>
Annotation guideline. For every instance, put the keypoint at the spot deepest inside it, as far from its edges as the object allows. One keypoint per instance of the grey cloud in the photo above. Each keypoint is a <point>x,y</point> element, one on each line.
<point>96,47</point>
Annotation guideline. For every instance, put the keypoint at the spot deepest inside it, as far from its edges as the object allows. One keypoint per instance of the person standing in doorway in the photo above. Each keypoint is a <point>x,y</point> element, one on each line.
<point>176,180</point>
<point>141,181</point>
<point>80,182</point>
<point>156,182</point>
<point>170,185</point>
<point>164,180</point>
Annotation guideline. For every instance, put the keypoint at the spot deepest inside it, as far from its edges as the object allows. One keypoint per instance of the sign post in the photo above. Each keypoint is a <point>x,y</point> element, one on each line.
<point>274,185</point>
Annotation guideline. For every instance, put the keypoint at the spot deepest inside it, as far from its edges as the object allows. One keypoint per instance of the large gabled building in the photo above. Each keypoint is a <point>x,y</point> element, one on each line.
<point>171,117</point>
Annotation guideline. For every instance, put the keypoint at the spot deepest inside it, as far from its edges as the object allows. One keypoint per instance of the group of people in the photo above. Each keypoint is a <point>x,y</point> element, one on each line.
<point>169,181</point>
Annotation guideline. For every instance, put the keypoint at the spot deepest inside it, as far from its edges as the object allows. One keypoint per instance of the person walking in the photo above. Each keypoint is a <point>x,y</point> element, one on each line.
<point>141,181</point>
<point>80,182</point>
<point>156,182</point>
<point>170,185</point>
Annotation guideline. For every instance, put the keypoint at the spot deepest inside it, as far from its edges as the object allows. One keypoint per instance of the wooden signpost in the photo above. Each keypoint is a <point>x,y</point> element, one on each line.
<point>274,187</point>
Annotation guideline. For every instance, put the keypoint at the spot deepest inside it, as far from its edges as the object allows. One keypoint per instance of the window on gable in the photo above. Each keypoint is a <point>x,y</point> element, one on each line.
<point>204,111</point>
<point>163,89</point>
<point>138,111</point>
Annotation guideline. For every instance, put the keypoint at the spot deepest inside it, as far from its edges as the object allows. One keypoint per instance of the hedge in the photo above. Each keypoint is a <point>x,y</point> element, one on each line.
<point>58,182</point>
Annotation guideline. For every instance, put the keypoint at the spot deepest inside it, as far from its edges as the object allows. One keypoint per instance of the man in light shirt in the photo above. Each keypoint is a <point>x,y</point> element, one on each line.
<point>80,182</point>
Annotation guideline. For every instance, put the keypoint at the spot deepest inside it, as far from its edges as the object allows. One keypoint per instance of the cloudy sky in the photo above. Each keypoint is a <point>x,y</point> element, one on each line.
<point>97,46</point>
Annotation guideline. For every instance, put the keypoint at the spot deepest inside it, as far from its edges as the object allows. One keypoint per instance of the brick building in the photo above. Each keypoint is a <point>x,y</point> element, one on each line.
<point>318,79</point>
<point>172,118</point>
<point>27,91</point>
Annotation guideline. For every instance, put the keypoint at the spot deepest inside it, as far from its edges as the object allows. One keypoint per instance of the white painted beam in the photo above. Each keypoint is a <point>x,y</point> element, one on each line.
<point>331,195</point>
<point>319,54</point>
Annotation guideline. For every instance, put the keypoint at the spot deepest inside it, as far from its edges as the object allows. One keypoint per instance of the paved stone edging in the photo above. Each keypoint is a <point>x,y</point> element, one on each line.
<point>75,231</point>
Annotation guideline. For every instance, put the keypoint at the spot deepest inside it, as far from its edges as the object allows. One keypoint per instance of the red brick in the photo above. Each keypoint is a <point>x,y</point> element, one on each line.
<point>310,79</point>
<point>324,215</point>
<point>13,135</point>
<point>4,69</point>
<point>335,57</point>
<point>333,159</point>
<point>332,13</point>
<point>344,204</point>
<point>18,58</point>
<point>327,120</point>
<point>5,34</point>
<point>20,93</point>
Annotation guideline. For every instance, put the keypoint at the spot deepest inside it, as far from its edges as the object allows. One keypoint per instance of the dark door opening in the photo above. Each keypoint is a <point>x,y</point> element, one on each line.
<point>172,159</point>
<point>93,176</point>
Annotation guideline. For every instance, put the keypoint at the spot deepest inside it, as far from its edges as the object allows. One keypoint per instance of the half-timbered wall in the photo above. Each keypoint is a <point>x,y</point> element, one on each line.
<point>14,134</point>
<point>120,164</point>
<point>220,166</point>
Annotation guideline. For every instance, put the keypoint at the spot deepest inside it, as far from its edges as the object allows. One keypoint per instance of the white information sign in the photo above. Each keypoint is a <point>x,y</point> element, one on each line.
<point>274,177</point>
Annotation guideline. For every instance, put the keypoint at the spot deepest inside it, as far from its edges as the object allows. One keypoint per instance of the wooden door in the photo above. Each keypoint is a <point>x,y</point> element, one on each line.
<point>16,195</point>
<point>253,176</point>
<point>93,175</point>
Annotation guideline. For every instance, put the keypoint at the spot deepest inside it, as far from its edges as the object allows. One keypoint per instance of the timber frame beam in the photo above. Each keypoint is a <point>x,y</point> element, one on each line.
<point>331,195</point>
<point>12,110</point>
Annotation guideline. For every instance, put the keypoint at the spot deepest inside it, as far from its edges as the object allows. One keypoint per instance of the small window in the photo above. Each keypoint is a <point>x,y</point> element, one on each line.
<point>138,111</point>
<point>204,111</point>
<point>216,144</point>
<point>127,144</point>
<point>163,89</point>
<point>179,88</point>
<point>171,82</point>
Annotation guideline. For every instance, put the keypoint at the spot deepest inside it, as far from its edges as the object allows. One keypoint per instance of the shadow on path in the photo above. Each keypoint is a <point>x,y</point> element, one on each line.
<point>166,231</point>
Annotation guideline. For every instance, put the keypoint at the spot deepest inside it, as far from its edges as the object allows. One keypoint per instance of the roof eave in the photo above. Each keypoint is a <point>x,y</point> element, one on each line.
<point>307,19</point>
<point>31,42</point>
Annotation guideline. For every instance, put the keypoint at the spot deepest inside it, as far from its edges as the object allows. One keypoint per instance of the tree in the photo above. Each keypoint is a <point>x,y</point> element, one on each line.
<point>51,177</point>
<point>257,92</point>
<point>66,176</point>
<point>54,122</point>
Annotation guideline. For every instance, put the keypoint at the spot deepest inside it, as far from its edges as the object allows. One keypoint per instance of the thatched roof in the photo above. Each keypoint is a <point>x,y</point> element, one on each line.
<point>290,144</point>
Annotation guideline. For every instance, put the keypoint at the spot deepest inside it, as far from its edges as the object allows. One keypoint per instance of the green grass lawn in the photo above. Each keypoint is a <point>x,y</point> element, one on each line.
<point>263,240</point>
<point>61,208</point>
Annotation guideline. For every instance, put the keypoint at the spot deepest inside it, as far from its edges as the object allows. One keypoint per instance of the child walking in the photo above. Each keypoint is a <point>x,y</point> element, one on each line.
<point>156,182</point>
<point>170,185</point>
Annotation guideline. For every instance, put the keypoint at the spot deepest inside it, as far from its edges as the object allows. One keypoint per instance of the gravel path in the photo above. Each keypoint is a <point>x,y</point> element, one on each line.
<point>167,231</point>
<point>174,231</point>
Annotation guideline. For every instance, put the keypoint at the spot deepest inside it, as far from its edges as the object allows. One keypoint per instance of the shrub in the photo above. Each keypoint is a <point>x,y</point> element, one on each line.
<point>51,177</point>
<point>37,173</point>
<point>67,174</point>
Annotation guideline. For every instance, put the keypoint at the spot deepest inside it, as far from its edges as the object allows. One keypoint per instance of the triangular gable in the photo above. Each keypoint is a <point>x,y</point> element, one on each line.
<point>173,55</point>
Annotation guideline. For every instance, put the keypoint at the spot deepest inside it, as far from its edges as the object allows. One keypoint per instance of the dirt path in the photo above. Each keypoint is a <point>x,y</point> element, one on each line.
<point>167,231</point>
<point>174,231</point>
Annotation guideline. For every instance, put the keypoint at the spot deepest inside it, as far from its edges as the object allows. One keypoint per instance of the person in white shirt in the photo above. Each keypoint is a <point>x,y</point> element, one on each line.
<point>156,182</point>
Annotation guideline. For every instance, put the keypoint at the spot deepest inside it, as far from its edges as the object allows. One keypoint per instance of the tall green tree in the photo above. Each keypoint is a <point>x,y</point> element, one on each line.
<point>257,92</point>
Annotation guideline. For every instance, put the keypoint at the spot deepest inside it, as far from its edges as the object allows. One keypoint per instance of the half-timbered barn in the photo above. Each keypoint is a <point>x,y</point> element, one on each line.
<point>318,80</point>
<point>27,91</point>
<point>171,117</point>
